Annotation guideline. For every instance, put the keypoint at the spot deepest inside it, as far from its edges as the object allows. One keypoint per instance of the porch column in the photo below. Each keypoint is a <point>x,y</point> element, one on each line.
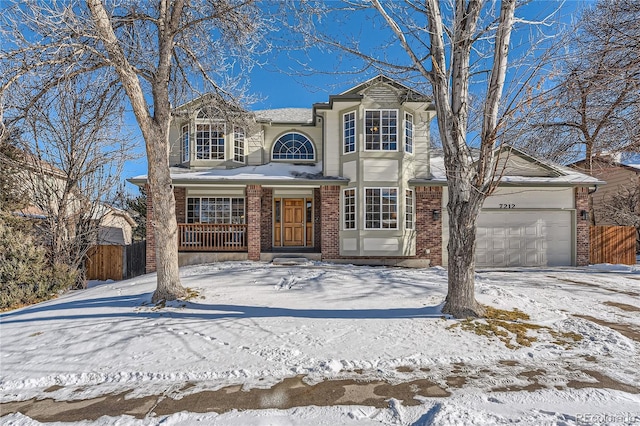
<point>429,225</point>
<point>582,227</point>
<point>330,221</point>
<point>254,221</point>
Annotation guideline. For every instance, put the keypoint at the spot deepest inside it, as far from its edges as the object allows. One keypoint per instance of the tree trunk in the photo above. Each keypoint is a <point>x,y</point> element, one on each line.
<point>165,226</point>
<point>155,131</point>
<point>463,217</point>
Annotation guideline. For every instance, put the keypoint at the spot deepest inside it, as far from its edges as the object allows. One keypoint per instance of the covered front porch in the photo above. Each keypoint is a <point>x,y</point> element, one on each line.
<point>253,219</point>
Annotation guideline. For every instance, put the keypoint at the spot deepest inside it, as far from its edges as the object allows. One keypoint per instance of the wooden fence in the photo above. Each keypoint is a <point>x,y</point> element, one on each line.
<point>116,262</point>
<point>612,244</point>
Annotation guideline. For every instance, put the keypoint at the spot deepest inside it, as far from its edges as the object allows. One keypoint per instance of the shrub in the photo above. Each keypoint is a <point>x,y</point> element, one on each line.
<point>26,276</point>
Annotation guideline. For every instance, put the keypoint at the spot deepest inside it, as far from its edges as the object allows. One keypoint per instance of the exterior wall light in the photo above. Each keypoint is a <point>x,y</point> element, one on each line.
<point>436,214</point>
<point>584,214</point>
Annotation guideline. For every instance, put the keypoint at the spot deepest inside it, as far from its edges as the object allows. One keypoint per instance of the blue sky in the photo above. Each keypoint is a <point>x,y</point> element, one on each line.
<point>277,89</point>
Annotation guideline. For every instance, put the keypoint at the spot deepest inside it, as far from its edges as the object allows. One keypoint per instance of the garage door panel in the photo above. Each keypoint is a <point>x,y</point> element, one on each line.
<point>524,238</point>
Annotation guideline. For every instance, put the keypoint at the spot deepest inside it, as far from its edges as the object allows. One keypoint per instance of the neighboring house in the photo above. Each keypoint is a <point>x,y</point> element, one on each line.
<point>44,186</point>
<point>354,180</point>
<point>623,183</point>
<point>115,226</point>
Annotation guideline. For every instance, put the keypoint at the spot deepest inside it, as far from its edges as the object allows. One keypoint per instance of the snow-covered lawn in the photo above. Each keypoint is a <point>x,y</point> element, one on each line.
<point>255,324</point>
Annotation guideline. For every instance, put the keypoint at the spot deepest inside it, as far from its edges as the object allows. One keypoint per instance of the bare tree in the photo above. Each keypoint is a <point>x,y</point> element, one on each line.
<point>459,49</point>
<point>159,53</point>
<point>590,104</point>
<point>74,153</point>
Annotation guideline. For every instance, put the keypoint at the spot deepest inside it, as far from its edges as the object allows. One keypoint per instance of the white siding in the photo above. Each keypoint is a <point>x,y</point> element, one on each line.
<point>380,170</point>
<point>350,171</point>
<point>530,198</point>
<point>380,244</point>
<point>349,244</point>
<point>333,143</point>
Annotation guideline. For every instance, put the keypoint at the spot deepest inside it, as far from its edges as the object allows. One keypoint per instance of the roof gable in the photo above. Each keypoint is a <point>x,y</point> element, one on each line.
<point>513,162</point>
<point>385,86</point>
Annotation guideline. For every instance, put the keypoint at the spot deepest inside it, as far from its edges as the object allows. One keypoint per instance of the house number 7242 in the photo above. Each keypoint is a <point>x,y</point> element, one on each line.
<point>507,206</point>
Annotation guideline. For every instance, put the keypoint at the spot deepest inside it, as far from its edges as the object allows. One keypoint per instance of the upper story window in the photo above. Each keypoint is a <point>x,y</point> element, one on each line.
<point>381,130</point>
<point>293,146</point>
<point>408,133</point>
<point>204,114</point>
<point>238,144</point>
<point>349,132</point>
<point>185,143</point>
<point>210,141</point>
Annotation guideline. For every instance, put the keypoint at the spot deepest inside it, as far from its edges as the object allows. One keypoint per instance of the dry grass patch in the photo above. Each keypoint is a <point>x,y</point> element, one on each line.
<point>511,329</point>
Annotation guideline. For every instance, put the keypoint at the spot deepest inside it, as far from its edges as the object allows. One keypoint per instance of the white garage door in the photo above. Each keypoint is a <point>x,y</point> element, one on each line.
<point>524,238</point>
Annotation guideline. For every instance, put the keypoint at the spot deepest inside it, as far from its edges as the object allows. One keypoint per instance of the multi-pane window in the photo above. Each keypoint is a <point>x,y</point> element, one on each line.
<point>215,210</point>
<point>349,198</point>
<point>381,208</point>
<point>408,133</point>
<point>185,143</point>
<point>408,209</point>
<point>293,146</point>
<point>210,141</point>
<point>349,132</point>
<point>238,144</point>
<point>381,130</point>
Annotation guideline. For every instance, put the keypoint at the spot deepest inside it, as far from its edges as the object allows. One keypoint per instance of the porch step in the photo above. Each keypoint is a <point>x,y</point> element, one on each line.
<point>290,261</point>
<point>290,258</point>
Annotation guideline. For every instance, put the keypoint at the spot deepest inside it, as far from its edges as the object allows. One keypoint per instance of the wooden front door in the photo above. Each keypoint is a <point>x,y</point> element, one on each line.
<point>293,223</point>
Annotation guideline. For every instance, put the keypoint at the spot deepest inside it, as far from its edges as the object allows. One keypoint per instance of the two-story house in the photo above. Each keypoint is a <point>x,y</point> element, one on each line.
<point>354,180</point>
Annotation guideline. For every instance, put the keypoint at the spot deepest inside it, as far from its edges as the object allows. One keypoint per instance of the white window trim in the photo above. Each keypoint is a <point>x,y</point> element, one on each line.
<point>413,210</point>
<point>225,136</point>
<point>413,133</point>
<point>364,126</point>
<point>294,160</point>
<point>185,154</point>
<point>364,205</point>
<point>244,145</point>
<point>344,207</point>
<point>355,133</point>
<point>230,198</point>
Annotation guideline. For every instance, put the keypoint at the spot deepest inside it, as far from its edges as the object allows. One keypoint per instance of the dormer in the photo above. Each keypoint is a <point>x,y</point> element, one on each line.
<point>203,137</point>
<point>378,119</point>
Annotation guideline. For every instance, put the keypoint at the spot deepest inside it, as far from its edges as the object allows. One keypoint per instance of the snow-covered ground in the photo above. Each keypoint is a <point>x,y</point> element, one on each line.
<point>255,324</point>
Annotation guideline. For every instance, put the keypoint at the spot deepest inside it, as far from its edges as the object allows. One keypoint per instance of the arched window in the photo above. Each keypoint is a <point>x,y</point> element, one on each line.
<point>203,113</point>
<point>293,146</point>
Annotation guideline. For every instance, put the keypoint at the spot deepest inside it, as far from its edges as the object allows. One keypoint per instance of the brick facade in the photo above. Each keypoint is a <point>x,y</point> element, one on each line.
<point>254,221</point>
<point>266,240</point>
<point>317,220</point>
<point>428,227</point>
<point>180,195</point>
<point>330,221</point>
<point>582,227</point>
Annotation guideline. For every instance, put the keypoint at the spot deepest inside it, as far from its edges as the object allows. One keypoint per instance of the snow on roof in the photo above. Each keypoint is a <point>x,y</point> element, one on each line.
<point>286,115</point>
<point>566,175</point>
<point>282,172</point>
